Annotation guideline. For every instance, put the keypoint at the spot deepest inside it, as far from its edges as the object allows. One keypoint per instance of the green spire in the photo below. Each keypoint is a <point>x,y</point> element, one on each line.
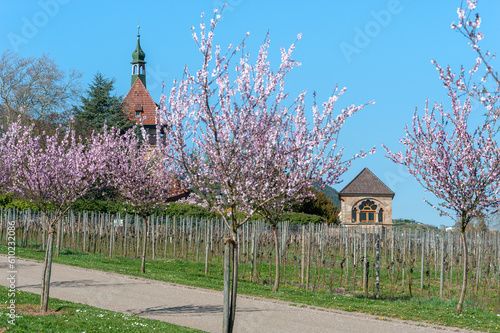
<point>138,63</point>
<point>138,55</point>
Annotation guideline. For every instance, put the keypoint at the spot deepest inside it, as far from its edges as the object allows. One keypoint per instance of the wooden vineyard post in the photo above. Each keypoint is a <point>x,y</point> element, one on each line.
<point>450,279</point>
<point>125,234</point>
<point>422,262</point>
<point>377,295</point>
<point>365,260</point>
<point>85,226</point>
<point>198,239</point>
<point>167,234</point>
<point>174,228</point>
<point>58,237</point>
<point>309,254</point>
<point>479,249</point>
<point>207,244</point>
<point>404,260</point>
<point>441,273</point>
<point>153,236</point>
<point>302,261</point>
<point>137,234</point>
<point>347,256</point>
<point>144,245</point>
<point>111,235</point>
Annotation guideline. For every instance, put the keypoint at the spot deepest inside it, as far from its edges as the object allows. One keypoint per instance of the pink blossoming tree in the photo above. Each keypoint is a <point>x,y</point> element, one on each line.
<point>487,90</point>
<point>297,157</point>
<point>52,172</point>
<point>457,162</point>
<point>141,176</point>
<point>230,136</point>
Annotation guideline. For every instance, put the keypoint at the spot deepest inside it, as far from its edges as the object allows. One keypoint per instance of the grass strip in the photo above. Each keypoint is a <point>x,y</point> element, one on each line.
<point>67,317</point>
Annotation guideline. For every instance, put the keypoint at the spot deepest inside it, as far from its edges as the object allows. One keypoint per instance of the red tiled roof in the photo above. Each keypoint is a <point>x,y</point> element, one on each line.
<point>139,99</point>
<point>367,183</point>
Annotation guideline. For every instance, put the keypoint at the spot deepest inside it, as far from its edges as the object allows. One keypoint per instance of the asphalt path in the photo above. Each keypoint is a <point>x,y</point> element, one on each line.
<point>195,307</point>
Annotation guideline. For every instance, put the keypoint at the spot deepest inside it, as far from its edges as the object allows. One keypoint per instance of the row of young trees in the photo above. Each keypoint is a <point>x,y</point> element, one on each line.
<point>53,171</point>
<point>260,156</point>
<point>232,141</point>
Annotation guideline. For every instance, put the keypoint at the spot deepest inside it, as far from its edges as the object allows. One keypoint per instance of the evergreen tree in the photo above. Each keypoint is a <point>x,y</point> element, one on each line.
<point>321,206</point>
<point>100,106</point>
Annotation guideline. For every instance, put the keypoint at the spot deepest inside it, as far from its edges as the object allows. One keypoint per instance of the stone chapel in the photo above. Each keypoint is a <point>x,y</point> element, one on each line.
<point>365,201</point>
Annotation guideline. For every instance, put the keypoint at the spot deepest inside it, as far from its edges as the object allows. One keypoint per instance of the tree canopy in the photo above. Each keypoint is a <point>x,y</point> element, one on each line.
<point>99,106</point>
<point>34,87</point>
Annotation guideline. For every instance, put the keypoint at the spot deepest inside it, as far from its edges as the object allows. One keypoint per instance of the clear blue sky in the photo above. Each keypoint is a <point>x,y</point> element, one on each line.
<point>389,64</point>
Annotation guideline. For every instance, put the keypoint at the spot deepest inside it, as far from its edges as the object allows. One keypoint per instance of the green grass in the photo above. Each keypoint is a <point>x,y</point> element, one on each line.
<point>432,311</point>
<point>66,317</point>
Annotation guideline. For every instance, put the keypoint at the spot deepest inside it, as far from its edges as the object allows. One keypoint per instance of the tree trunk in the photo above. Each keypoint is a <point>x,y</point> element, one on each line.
<point>227,284</point>
<point>277,254</point>
<point>464,277</point>
<point>144,245</point>
<point>44,303</point>
<point>230,282</point>
<point>234,292</point>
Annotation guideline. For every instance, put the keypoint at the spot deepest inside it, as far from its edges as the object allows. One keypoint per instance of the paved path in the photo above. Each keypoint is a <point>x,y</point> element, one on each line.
<point>193,307</point>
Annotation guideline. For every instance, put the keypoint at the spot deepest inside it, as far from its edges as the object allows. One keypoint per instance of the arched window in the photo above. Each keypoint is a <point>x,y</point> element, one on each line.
<point>134,69</point>
<point>354,214</point>
<point>381,215</point>
<point>367,210</point>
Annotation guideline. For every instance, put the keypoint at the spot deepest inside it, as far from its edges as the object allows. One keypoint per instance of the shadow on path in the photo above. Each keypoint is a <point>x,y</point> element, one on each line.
<point>75,284</point>
<point>187,309</point>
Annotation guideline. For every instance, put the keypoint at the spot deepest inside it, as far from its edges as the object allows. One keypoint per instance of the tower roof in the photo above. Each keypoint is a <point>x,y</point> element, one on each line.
<point>366,183</point>
<point>138,55</point>
<point>139,99</point>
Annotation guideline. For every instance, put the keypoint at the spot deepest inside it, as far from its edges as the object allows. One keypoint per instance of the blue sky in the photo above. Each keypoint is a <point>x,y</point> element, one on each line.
<point>379,50</point>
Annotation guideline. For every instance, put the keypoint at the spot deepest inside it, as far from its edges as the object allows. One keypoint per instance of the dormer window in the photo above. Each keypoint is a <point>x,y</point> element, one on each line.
<point>138,113</point>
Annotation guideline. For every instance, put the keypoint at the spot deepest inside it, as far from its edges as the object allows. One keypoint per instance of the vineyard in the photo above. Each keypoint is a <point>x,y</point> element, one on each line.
<point>371,261</point>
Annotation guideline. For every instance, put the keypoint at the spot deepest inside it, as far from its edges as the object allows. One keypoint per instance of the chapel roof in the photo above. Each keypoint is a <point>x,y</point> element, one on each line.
<point>366,183</point>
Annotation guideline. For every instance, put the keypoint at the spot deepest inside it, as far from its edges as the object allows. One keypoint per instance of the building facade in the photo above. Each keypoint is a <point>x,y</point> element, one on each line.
<point>366,200</point>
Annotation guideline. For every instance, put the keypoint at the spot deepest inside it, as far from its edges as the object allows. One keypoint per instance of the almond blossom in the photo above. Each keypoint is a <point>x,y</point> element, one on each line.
<point>242,144</point>
<point>456,161</point>
<point>52,172</point>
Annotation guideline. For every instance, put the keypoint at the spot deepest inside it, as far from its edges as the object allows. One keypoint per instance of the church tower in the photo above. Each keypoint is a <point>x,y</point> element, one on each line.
<point>140,107</point>
<point>138,63</point>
